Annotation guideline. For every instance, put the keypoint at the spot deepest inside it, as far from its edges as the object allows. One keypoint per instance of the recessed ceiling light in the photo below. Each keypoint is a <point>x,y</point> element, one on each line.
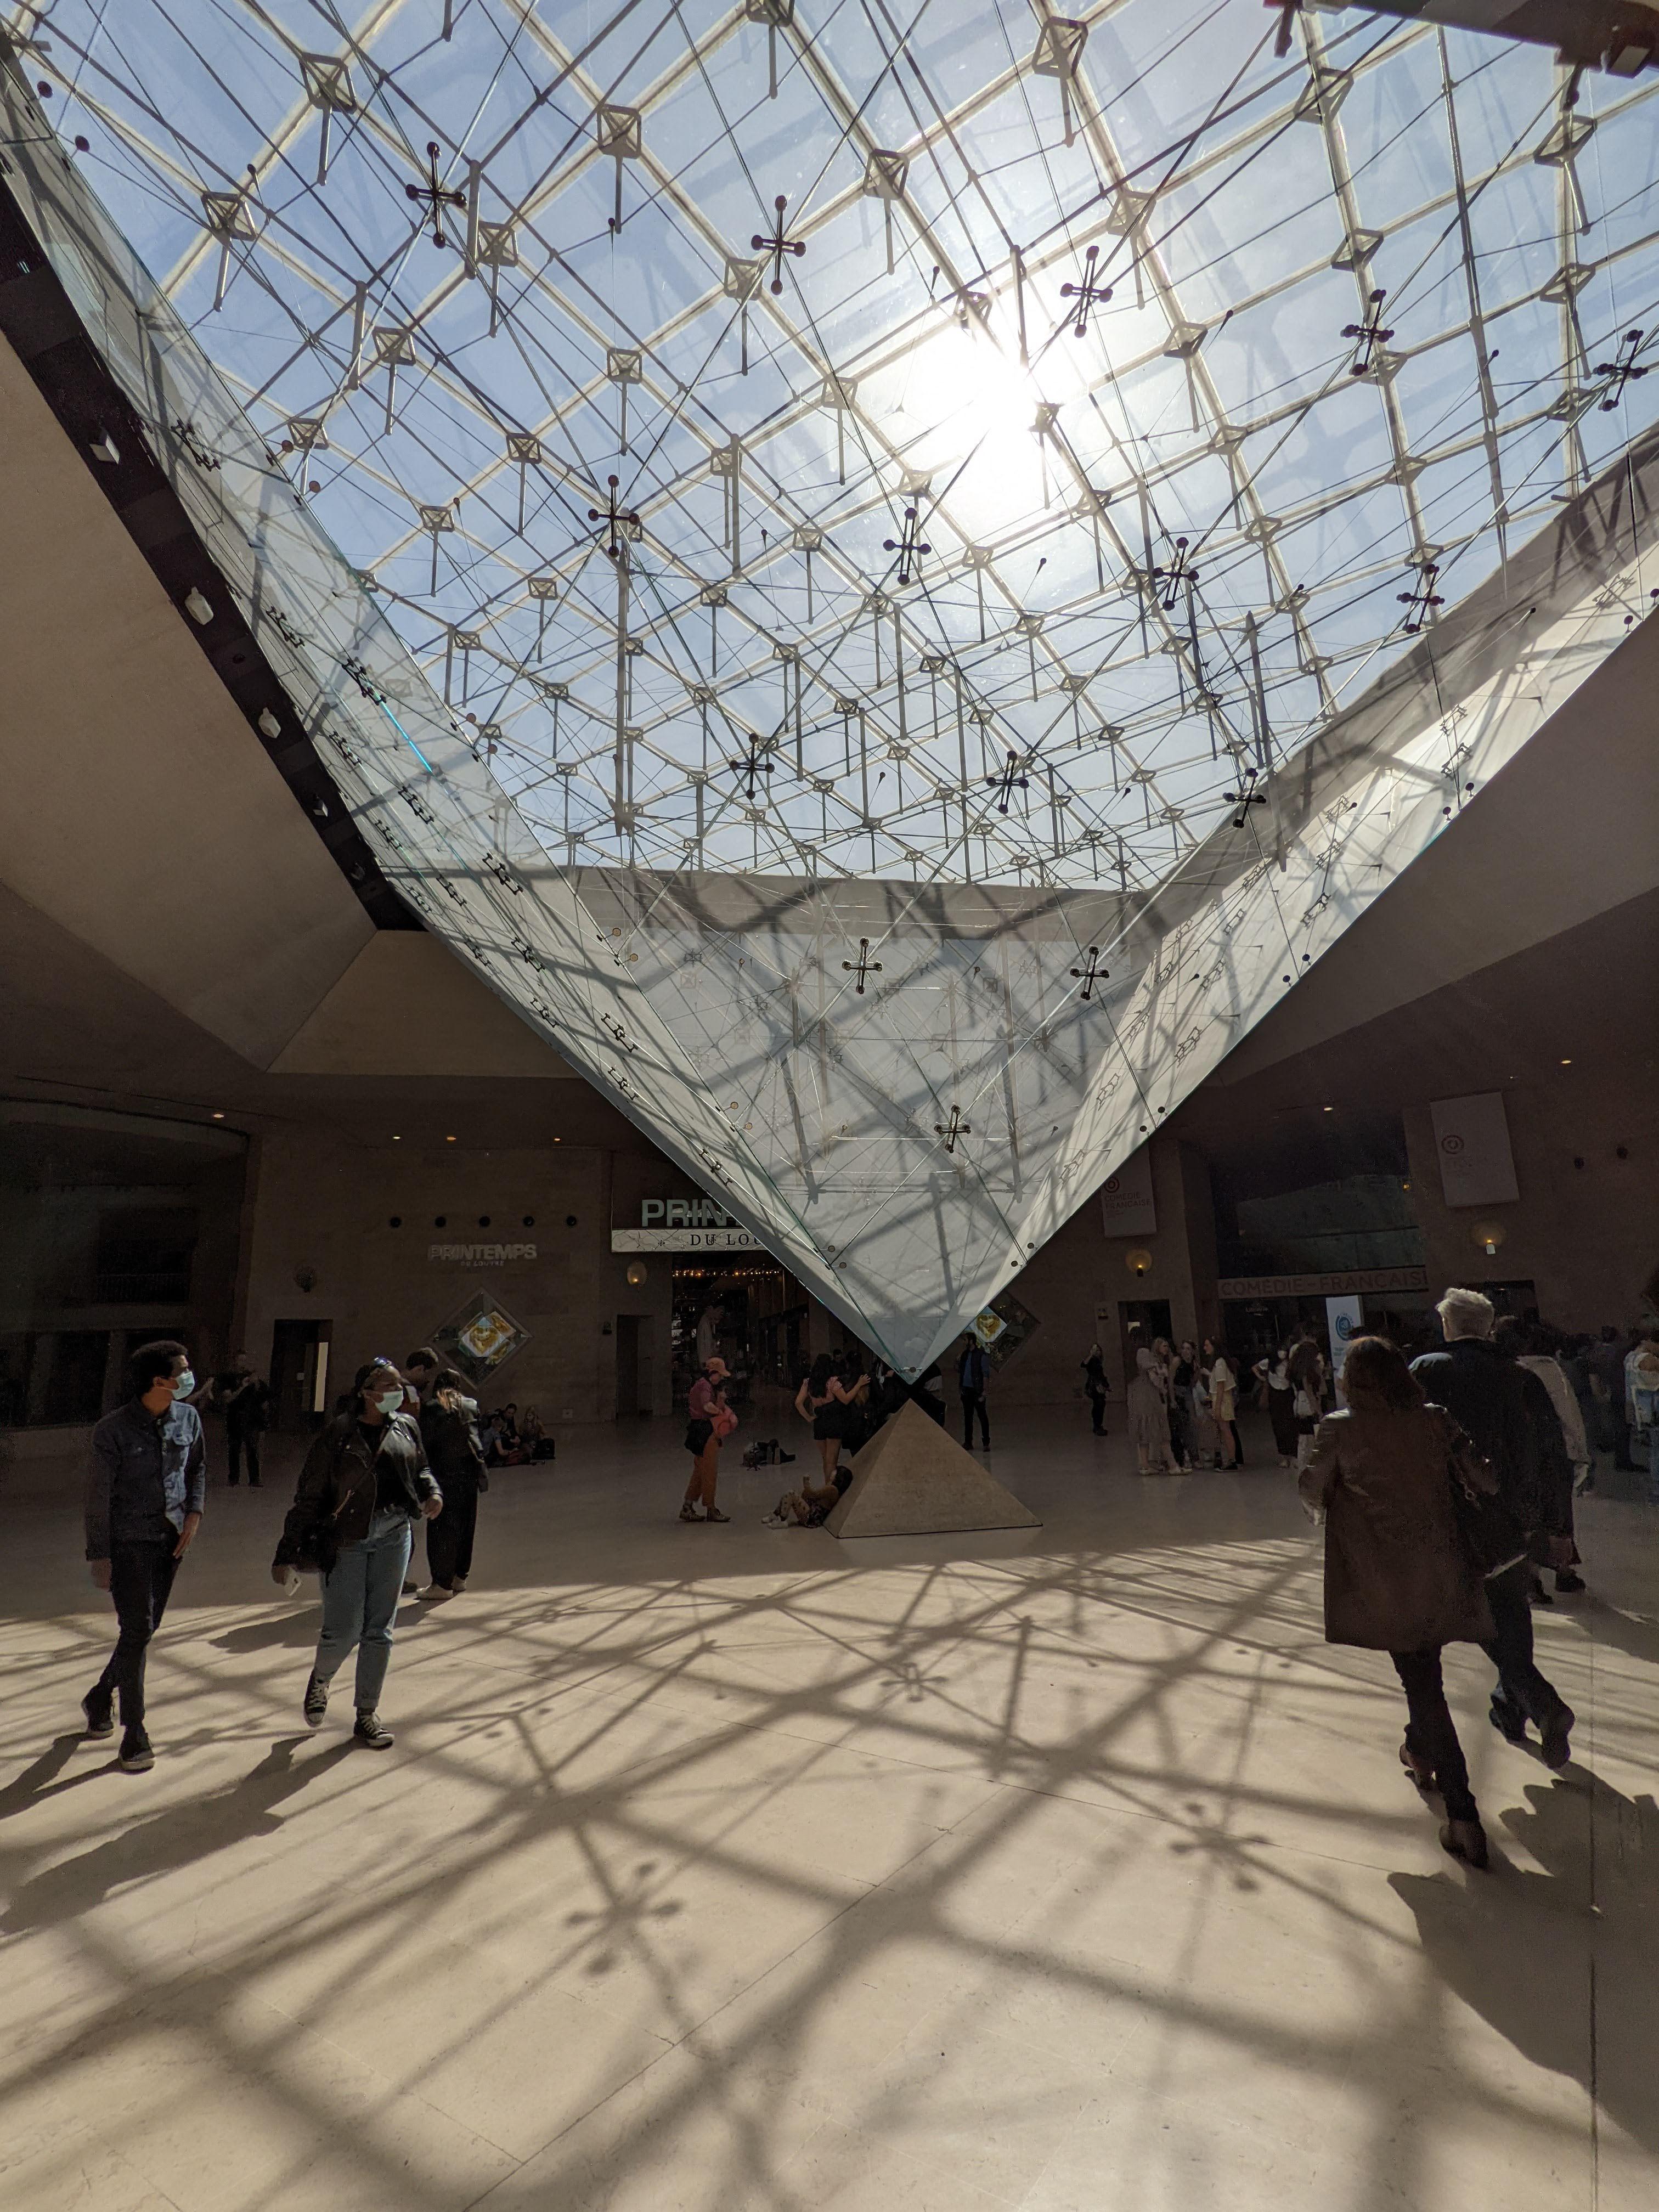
<point>397,1140</point>
<point>218,1117</point>
<point>1330,1110</point>
<point>1566,1063</point>
<point>449,1140</point>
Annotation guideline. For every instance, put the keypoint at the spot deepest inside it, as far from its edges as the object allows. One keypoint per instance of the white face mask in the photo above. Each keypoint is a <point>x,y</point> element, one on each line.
<point>389,1400</point>
<point>182,1385</point>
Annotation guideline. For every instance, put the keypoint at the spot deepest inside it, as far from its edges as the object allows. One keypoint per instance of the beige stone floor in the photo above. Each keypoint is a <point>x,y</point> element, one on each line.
<point>736,1870</point>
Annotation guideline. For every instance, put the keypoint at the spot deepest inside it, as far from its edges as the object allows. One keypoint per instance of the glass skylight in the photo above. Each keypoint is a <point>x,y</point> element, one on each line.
<point>1122,402</point>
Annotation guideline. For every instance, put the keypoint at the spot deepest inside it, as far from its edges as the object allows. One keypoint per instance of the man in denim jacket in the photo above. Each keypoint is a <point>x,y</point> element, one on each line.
<point>145,1489</point>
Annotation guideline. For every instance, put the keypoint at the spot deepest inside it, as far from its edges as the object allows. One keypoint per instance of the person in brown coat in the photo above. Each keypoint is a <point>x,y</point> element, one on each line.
<point>1398,1577</point>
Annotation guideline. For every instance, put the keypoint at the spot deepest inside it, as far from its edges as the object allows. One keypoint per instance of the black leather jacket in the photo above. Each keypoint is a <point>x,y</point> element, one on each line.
<point>337,1482</point>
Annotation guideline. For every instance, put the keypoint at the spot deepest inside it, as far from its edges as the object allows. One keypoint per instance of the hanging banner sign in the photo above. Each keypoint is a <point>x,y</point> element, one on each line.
<point>1472,1142</point>
<point>1126,1207</point>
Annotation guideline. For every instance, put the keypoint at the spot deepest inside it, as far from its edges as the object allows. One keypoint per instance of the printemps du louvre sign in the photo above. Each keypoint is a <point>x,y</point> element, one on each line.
<point>685,1225</point>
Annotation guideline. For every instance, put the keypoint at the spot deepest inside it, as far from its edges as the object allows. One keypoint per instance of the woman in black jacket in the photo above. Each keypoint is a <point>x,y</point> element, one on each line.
<point>451,1451</point>
<point>364,1480</point>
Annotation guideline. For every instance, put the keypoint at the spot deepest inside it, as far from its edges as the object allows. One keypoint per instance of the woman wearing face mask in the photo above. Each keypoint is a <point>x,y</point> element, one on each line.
<point>364,1480</point>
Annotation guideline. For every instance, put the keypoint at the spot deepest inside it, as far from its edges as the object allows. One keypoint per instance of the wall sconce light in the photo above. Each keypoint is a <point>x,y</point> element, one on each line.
<point>636,1273</point>
<point>1138,1262</point>
<point>1487,1235</point>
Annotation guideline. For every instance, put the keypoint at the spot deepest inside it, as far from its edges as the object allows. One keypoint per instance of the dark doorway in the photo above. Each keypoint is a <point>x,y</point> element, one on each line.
<point>1142,1320</point>
<point>299,1374</point>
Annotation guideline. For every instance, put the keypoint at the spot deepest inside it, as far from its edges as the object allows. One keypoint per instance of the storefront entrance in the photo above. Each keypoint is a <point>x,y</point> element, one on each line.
<point>753,1313</point>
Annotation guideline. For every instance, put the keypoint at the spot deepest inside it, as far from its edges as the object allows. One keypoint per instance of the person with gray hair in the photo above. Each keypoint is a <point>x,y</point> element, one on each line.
<point>1499,1406</point>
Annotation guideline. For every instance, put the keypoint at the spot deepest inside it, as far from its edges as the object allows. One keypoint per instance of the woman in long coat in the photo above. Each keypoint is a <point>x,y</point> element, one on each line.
<point>1398,1577</point>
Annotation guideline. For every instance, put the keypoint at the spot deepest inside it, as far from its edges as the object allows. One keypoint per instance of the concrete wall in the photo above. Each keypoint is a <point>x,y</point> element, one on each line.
<point>1080,1280</point>
<point>325,1203</point>
<point>1587,1236</point>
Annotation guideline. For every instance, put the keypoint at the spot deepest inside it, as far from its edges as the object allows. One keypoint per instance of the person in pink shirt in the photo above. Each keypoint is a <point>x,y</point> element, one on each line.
<point>712,1421</point>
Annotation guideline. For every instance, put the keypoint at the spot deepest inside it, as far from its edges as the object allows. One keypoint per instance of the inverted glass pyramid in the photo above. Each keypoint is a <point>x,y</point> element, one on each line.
<point>1165,482</point>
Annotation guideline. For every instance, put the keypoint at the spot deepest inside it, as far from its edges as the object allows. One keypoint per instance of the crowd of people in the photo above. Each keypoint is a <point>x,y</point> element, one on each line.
<point>1447,1483</point>
<point>1444,1486</point>
<point>1183,1406</point>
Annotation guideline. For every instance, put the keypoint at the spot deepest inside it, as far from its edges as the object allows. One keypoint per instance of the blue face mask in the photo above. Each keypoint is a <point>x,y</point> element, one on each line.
<point>389,1400</point>
<point>182,1386</point>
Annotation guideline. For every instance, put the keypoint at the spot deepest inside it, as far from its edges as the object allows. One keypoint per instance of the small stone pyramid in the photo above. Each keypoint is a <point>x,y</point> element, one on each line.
<point>912,1479</point>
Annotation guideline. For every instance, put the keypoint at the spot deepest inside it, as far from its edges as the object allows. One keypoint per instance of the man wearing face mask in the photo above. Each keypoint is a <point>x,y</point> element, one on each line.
<point>145,1491</point>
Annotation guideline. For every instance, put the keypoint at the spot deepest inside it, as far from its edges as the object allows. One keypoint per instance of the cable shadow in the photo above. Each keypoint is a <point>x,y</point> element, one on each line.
<point>1562,1963</point>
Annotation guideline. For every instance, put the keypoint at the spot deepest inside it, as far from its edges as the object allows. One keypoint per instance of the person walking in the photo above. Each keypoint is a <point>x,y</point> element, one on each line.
<point>1148,1401</point>
<point>146,1489</point>
<point>1275,1374</point>
<point>1397,1577</point>
<point>972,1379</point>
<point>450,1438</point>
<point>364,1482</point>
<point>1224,1410</point>
<point>1492,1399</point>
<point>1606,1365</point>
<point>1094,1388</point>
<point>711,1422</point>
<point>1641,1403</point>
<point>242,1396</point>
<point>1305,1365</point>
<point>1536,1350</point>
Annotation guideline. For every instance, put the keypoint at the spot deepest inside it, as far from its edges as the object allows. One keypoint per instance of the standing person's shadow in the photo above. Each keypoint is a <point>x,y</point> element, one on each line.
<point>1516,1945</point>
<point>169,1839</point>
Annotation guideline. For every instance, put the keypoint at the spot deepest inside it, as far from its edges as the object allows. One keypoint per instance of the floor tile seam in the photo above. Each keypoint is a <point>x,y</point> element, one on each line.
<point>302,2033</point>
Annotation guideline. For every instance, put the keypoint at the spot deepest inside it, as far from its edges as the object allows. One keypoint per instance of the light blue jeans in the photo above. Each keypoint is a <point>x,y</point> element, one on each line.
<point>360,1604</point>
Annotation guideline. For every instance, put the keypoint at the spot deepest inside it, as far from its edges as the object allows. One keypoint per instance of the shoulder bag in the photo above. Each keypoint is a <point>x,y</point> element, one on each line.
<point>1490,1535</point>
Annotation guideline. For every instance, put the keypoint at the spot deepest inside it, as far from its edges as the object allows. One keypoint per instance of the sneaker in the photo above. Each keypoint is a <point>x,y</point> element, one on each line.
<point>316,1703</point>
<point>435,1592</point>
<point>101,1715</point>
<point>689,1512</point>
<point>1557,1733</point>
<point>136,1757</point>
<point>714,1513</point>
<point>371,1731</point>
<point>773,1520</point>
<point>457,1585</point>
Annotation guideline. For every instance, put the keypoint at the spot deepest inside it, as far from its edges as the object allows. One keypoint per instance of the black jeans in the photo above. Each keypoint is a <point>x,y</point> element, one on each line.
<point>140,1583</point>
<point>973,1401</point>
<point>1431,1732</point>
<point>1522,1694</point>
<point>239,1440</point>
<point>1098,1410</point>
<point>449,1538</point>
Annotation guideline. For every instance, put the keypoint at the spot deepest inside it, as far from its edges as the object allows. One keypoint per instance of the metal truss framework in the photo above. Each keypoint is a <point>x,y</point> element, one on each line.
<point>1191,367</point>
<point>1126,372</point>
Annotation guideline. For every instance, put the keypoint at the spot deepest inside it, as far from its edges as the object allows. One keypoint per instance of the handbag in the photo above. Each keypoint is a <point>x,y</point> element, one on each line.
<point>1490,1535</point>
<point>1305,1409</point>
